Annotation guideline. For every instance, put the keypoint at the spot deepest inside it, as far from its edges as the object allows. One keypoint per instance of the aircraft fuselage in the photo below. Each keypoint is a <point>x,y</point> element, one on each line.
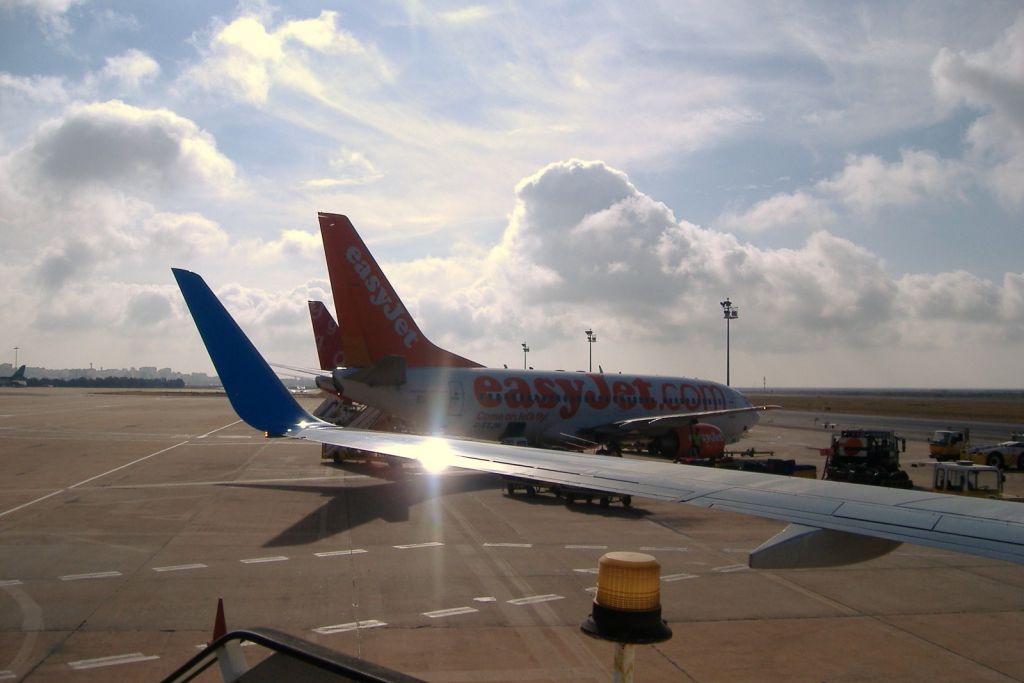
<point>543,406</point>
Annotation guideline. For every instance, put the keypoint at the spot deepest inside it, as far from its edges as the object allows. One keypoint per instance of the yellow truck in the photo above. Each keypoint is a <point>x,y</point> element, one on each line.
<point>949,444</point>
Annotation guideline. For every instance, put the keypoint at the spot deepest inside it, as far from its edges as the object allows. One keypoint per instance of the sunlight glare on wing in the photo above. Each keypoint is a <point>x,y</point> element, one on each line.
<point>436,455</point>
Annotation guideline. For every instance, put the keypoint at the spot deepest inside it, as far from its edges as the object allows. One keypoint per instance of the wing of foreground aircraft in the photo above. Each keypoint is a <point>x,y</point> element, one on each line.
<point>830,522</point>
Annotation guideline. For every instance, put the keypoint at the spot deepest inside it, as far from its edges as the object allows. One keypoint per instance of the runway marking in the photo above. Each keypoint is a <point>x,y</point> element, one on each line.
<point>10,582</point>
<point>351,626</point>
<point>237,481</point>
<point>179,567</point>
<point>111,661</point>
<point>6,675</point>
<point>669,578</point>
<point>94,575</point>
<point>589,570</point>
<point>534,599</point>
<point>485,599</point>
<point>437,614</point>
<point>336,553</point>
<point>508,545</point>
<point>259,560</point>
<point>218,429</point>
<point>650,548</point>
<point>432,544</point>
<point>586,547</point>
<point>730,568</point>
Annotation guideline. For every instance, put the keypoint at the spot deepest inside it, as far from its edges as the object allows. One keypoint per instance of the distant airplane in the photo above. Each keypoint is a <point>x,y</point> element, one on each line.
<point>831,523</point>
<point>15,380</point>
<point>392,366</point>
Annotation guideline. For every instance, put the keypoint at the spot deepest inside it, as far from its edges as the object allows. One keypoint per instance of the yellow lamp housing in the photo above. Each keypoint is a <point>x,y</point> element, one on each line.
<point>627,606</point>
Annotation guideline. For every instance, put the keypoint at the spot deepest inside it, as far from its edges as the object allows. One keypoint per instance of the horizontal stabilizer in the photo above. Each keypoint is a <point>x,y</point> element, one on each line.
<point>389,371</point>
<point>802,547</point>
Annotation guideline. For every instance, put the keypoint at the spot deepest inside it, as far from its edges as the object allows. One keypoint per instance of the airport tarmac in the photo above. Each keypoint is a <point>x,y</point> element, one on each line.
<point>124,518</point>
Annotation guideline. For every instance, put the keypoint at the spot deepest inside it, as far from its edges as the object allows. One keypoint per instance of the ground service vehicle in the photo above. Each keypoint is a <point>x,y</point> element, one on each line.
<point>866,456</point>
<point>968,479</point>
<point>949,444</point>
<point>1005,455</point>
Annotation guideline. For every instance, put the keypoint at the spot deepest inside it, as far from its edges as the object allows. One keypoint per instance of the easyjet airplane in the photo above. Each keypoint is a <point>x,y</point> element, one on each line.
<point>392,366</point>
<point>830,522</point>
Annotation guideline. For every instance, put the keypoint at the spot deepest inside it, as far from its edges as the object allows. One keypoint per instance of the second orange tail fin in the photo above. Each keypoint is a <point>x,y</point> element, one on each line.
<point>374,322</point>
<point>329,349</point>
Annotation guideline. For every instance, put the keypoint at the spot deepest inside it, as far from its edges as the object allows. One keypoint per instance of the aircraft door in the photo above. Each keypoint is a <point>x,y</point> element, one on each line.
<point>455,398</point>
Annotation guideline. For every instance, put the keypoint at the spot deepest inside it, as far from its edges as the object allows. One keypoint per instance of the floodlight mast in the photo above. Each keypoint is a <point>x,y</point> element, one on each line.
<point>730,313</point>
<point>526,350</point>
<point>591,338</point>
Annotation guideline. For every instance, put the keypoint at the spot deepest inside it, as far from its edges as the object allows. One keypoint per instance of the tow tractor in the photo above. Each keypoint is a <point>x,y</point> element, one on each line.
<point>866,456</point>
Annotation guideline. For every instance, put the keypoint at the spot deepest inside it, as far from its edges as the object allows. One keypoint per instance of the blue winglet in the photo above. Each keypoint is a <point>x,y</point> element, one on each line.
<point>255,392</point>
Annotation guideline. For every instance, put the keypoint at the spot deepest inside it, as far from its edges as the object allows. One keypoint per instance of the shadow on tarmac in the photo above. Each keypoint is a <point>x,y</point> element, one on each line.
<point>390,494</point>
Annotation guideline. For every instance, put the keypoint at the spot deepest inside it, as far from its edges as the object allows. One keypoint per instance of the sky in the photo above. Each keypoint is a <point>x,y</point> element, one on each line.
<point>850,175</point>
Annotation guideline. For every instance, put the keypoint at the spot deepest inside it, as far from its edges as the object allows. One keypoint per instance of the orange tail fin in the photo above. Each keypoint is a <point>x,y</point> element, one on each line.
<point>327,335</point>
<point>374,322</point>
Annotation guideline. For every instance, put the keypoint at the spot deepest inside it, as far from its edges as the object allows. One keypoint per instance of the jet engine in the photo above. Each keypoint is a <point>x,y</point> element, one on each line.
<point>678,442</point>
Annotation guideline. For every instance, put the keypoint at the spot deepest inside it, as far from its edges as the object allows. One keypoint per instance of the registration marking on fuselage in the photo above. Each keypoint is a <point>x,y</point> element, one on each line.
<point>436,614</point>
<point>432,544</point>
<point>533,599</point>
<point>111,661</point>
<point>351,626</point>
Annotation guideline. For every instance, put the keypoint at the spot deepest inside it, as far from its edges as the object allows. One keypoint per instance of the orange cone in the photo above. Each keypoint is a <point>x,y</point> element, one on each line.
<point>219,625</point>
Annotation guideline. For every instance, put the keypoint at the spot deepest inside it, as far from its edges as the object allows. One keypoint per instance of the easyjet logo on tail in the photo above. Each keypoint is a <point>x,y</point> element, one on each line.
<point>380,296</point>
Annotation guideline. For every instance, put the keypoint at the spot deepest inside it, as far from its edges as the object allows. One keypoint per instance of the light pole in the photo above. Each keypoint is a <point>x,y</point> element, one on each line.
<point>526,350</point>
<point>730,313</point>
<point>16,358</point>
<point>591,338</point>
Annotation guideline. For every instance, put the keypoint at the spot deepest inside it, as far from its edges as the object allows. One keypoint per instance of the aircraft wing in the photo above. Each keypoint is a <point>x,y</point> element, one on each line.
<point>661,422</point>
<point>830,522</point>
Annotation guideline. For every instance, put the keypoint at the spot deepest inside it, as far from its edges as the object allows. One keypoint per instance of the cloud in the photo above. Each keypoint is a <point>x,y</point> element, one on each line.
<point>991,81</point>
<point>121,146</point>
<point>42,89</point>
<point>130,69</point>
<point>50,13</point>
<point>247,60</point>
<point>797,210</point>
<point>868,183</point>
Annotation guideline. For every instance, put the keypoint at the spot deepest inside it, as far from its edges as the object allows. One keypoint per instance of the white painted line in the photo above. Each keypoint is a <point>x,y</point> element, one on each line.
<point>95,575</point>
<point>508,545</point>
<point>586,547</point>
<point>592,570</point>
<point>336,553</point>
<point>111,661</point>
<point>485,599</point>
<point>535,599</point>
<point>10,582</point>
<point>668,578</point>
<point>133,462</point>
<point>650,548</point>
<point>592,589</point>
<point>7,675</point>
<point>351,626</point>
<point>450,612</point>
<point>258,560</point>
<point>730,568</point>
<point>179,567</point>
<point>203,436</point>
<point>432,544</point>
